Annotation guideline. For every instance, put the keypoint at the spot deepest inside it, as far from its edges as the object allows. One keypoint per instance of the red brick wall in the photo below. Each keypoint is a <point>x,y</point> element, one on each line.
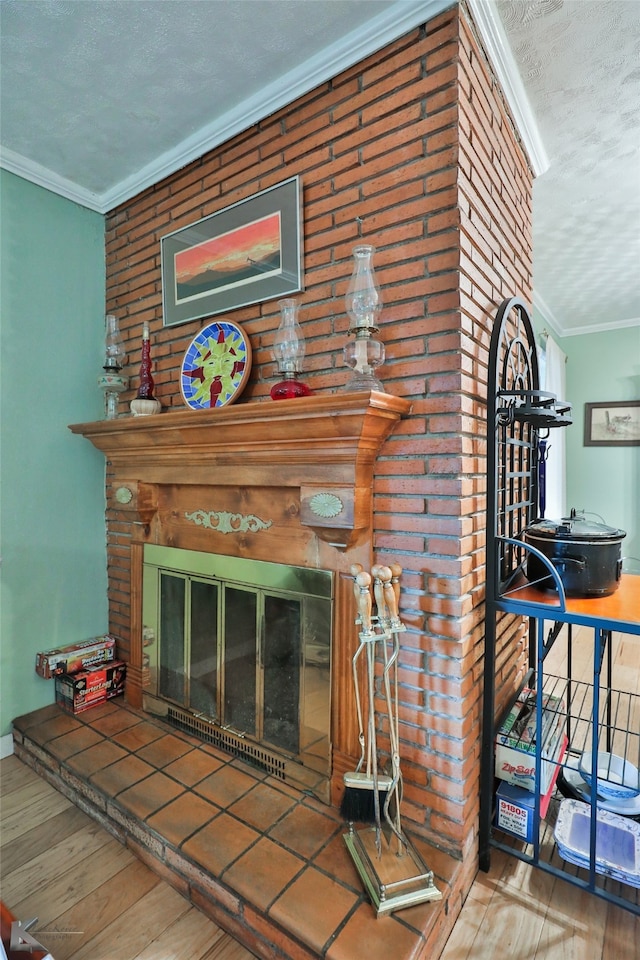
<point>411,150</point>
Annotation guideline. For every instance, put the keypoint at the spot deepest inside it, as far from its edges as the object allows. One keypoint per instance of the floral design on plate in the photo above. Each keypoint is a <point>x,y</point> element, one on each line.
<point>216,366</point>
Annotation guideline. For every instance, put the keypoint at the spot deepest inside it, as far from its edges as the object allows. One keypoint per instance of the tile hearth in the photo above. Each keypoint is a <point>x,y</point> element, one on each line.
<point>264,861</point>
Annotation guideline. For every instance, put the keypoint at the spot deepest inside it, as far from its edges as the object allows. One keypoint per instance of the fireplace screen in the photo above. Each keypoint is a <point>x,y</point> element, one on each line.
<point>243,647</point>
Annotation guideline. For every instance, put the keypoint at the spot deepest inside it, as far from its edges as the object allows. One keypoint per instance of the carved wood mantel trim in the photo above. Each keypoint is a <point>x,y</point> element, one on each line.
<point>324,445</point>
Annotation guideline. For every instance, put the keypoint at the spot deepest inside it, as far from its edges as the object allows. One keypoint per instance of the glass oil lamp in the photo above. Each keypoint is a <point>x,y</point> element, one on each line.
<point>363,302</point>
<point>114,360</point>
<point>288,352</point>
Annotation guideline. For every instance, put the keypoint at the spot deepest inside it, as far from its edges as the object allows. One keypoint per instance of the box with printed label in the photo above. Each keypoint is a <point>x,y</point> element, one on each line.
<point>516,741</point>
<point>87,688</point>
<point>515,806</point>
<point>75,656</point>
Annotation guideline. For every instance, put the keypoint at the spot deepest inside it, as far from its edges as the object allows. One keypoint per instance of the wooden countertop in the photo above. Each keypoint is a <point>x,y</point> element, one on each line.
<point>619,611</point>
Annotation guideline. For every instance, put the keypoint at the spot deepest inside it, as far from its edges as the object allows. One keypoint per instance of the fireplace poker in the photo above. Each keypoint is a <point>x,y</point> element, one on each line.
<point>393,626</point>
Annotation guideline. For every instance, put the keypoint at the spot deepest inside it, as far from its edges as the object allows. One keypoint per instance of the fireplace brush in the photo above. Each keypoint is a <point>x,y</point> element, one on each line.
<point>366,789</point>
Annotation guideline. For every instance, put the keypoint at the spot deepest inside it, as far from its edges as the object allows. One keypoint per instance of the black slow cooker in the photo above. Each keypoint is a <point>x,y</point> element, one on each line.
<point>586,555</point>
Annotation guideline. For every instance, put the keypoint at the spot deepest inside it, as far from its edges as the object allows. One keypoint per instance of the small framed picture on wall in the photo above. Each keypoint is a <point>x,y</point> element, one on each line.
<point>614,424</point>
<point>247,253</point>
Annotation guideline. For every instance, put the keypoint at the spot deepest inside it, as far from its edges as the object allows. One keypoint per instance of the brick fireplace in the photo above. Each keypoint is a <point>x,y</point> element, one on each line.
<point>413,150</point>
<point>170,474</point>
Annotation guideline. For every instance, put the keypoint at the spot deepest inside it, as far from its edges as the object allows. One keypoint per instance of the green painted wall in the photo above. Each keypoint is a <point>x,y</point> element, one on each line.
<point>53,580</point>
<point>605,480</point>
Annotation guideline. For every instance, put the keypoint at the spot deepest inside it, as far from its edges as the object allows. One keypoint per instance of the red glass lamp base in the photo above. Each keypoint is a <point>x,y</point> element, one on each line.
<point>289,389</point>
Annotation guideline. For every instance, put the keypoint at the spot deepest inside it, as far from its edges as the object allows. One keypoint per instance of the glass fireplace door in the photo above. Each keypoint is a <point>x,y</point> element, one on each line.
<point>204,667</point>
<point>241,660</point>
<point>239,652</point>
<point>250,681</point>
<point>189,626</point>
<point>172,666</point>
<point>281,672</point>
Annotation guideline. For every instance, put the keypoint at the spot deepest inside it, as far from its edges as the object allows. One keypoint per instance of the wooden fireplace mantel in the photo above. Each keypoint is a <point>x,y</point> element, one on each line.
<point>324,445</point>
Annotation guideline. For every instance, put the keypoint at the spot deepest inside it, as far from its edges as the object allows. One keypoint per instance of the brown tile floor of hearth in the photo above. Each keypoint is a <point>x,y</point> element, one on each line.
<point>262,860</point>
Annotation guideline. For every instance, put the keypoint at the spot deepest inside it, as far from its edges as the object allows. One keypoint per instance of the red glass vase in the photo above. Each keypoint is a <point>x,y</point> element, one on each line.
<point>145,390</point>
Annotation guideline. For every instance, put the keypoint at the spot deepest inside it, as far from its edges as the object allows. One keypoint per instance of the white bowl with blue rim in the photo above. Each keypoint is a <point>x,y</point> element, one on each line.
<point>616,778</point>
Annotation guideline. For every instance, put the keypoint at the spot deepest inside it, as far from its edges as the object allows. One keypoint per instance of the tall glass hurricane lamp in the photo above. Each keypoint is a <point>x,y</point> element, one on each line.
<point>115,357</point>
<point>363,302</point>
<point>288,352</point>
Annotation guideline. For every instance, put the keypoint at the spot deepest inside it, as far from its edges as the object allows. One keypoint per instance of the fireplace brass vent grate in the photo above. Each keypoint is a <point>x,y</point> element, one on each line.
<point>229,742</point>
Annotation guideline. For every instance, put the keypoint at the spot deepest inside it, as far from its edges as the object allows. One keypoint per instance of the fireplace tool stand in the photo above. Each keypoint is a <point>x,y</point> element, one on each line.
<point>390,868</point>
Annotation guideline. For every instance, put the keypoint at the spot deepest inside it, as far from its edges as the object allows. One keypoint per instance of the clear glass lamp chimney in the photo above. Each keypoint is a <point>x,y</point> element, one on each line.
<point>288,352</point>
<point>115,355</point>
<point>363,301</point>
<point>289,346</point>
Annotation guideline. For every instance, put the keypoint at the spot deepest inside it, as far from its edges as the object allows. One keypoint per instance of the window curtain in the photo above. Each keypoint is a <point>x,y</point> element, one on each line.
<point>555,382</point>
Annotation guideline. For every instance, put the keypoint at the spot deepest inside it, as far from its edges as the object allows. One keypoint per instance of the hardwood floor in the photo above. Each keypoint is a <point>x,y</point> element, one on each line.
<point>95,901</point>
<point>520,913</point>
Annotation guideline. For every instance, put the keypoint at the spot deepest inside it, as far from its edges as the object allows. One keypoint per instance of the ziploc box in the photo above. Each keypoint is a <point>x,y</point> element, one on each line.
<point>516,741</point>
<point>88,688</point>
<point>515,806</point>
<point>75,656</point>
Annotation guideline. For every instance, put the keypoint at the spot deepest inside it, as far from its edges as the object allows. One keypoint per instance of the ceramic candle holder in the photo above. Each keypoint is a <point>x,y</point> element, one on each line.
<point>141,407</point>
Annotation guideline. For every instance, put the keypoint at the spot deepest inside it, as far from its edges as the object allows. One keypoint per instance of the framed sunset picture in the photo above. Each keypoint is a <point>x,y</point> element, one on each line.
<point>246,253</point>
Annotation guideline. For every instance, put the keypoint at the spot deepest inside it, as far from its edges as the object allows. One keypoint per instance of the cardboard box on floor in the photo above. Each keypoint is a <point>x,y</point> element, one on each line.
<point>87,688</point>
<point>75,656</point>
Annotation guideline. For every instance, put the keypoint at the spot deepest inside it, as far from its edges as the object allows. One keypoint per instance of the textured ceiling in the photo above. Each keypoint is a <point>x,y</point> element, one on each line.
<point>98,89</point>
<point>580,64</point>
<point>100,98</point>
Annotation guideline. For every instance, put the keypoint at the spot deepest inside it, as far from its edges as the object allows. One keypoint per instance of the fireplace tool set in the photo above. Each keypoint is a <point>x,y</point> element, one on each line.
<point>390,868</point>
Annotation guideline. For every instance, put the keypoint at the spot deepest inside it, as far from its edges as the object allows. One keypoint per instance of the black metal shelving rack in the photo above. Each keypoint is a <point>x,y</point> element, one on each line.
<point>518,416</point>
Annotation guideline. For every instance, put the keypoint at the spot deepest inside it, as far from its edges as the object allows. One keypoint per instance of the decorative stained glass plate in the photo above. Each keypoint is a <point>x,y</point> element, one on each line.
<point>216,366</point>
